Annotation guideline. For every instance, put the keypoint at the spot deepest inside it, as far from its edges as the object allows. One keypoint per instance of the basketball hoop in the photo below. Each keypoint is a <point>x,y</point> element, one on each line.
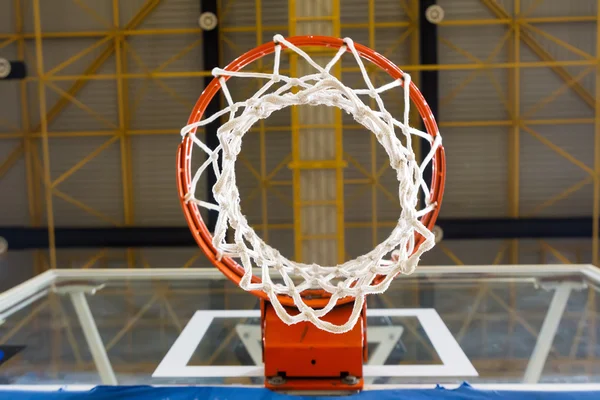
<point>311,289</point>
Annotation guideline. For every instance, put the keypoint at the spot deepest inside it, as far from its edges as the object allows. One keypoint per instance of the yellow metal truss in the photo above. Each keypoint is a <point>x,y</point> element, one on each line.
<point>521,30</point>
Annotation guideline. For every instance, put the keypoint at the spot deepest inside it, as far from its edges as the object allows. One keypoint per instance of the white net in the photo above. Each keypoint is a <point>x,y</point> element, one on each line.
<point>353,278</point>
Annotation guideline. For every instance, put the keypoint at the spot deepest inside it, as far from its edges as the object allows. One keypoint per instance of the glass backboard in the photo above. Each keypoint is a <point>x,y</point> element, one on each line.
<point>486,325</point>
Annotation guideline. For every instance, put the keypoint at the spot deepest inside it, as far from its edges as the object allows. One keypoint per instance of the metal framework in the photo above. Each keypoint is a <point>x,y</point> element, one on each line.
<point>37,295</point>
<point>114,44</point>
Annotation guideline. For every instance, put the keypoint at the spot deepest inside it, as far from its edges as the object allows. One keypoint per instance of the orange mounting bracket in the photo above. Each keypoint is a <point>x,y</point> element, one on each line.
<point>302,357</point>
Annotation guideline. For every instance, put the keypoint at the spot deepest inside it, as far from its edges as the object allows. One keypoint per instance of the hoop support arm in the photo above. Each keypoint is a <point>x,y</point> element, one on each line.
<point>302,357</point>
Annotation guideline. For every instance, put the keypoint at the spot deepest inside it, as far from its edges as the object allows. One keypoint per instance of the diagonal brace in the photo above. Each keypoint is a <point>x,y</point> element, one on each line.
<point>501,13</point>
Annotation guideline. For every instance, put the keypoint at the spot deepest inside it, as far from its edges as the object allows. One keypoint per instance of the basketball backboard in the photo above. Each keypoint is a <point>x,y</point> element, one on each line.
<point>485,325</point>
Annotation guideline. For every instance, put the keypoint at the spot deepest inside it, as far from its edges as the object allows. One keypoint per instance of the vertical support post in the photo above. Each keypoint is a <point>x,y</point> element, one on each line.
<point>415,59</point>
<point>262,134</point>
<point>124,140</point>
<point>124,119</point>
<point>319,225</point>
<point>513,152</point>
<point>29,142</point>
<point>547,333</point>
<point>372,141</point>
<point>514,146</point>
<point>596,200</point>
<point>92,336</point>
<point>428,55</point>
<point>210,53</point>
<point>295,130</point>
<point>340,228</point>
<point>39,54</point>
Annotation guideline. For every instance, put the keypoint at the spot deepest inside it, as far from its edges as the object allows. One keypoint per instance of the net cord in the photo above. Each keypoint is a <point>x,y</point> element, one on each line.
<point>354,277</point>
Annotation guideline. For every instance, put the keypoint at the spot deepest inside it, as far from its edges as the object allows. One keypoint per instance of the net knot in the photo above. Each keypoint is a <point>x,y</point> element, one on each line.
<point>259,108</point>
<point>225,207</point>
<point>315,268</point>
<point>262,112</point>
<point>361,112</point>
<point>387,117</point>
<point>411,215</point>
<point>303,97</point>
<point>396,163</point>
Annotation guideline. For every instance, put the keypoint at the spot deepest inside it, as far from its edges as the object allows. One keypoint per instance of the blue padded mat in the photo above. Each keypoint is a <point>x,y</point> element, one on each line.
<point>230,393</point>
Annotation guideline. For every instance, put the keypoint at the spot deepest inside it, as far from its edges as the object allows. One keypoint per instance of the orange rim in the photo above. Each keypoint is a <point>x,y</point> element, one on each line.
<point>229,267</point>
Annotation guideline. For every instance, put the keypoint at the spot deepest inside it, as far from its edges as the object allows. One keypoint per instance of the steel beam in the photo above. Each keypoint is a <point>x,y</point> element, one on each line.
<point>148,7</point>
<point>429,85</point>
<point>428,55</point>
<point>21,238</point>
<point>526,38</point>
<point>210,54</point>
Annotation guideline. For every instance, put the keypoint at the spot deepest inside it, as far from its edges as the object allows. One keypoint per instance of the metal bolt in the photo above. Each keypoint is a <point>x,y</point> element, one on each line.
<point>350,380</point>
<point>276,380</point>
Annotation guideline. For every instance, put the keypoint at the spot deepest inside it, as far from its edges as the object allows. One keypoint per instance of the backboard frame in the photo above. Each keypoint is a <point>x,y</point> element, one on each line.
<point>28,292</point>
<point>454,361</point>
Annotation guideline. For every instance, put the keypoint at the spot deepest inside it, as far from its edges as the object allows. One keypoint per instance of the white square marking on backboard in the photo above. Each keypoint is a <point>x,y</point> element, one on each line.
<point>454,360</point>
